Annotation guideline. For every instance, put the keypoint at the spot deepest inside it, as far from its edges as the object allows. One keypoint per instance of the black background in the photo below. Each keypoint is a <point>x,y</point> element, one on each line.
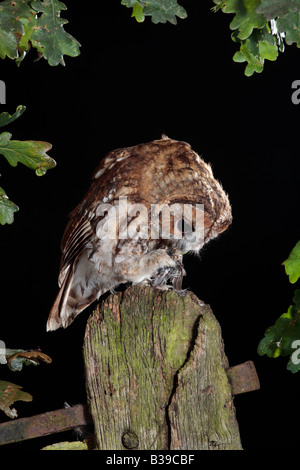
<point>131,83</point>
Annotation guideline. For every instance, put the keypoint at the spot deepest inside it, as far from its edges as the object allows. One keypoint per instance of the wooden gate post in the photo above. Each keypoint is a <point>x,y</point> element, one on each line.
<point>156,374</point>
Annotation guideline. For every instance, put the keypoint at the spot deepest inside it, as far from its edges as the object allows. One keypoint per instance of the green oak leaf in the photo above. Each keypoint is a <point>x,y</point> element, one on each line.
<point>137,9</point>
<point>291,334</point>
<point>49,36</point>
<point>267,51</point>
<point>19,11</point>
<point>218,5</point>
<point>271,343</point>
<point>138,13</point>
<point>13,16</point>
<point>6,118</point>
<point>293,366</point>
<point>25,39</point>
<point>292,331</point>
<point>160,11</point>
<point>246,18</point>
<point>8,43</point>
<point>290,25</point>
<point>260,46</point>
<point>31,153</point>
<point>283,338</point>
<point>7,209</point>
<point>132,3</point>
<point>249,52</point>
<point>8,27</point>
<point>277,8</point>
<point>292,264</point>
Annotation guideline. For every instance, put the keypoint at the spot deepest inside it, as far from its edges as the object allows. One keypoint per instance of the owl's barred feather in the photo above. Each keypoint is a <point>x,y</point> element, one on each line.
<point>117,233</point>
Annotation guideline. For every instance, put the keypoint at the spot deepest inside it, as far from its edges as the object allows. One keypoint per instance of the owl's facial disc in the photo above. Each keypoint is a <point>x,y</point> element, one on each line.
<point>189,228</point>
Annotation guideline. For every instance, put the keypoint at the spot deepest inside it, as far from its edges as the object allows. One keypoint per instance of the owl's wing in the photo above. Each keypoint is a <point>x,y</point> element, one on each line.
<point>79,280</point>
<point>75,269</point>
<point>77,234</point>
<point>79,230</point>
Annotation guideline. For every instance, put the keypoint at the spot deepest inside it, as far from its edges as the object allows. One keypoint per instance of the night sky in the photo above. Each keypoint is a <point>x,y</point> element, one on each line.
<point>131,83</point>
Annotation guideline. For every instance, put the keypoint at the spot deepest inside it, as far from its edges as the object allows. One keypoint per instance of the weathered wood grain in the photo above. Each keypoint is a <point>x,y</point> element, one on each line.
<point>156,374</point>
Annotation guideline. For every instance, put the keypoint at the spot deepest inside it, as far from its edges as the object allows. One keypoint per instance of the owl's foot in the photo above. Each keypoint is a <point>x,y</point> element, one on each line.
<point>177,282</point>
<point>162,276</point>
<point>181,292</point>
<point>169,278</point>
<point>178,277</point>
<point>159,269</point>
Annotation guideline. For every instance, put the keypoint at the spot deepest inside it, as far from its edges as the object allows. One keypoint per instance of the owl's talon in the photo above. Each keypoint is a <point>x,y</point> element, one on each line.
<point>181,292</point>
<point>173,275</point>
<point>163,275</point>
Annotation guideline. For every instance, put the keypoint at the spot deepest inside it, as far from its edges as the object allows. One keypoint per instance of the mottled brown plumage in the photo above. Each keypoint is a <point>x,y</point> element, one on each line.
<point>161,172</point>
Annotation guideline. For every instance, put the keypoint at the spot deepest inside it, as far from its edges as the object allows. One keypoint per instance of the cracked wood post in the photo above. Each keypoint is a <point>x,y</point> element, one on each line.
<point>156,374</point>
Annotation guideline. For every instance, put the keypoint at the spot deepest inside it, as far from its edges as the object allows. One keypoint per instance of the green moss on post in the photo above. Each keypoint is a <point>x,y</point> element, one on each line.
<point>155,374</point>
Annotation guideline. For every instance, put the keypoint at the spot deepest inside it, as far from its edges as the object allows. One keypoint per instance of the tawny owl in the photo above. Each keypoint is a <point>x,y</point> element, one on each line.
<point>147,206</point>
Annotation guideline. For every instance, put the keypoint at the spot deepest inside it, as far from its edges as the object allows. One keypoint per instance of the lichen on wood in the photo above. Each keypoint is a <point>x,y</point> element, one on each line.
<point>156,373</point>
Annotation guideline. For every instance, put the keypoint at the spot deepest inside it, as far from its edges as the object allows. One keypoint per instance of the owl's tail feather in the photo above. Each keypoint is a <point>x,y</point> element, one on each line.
<point>74,296</point>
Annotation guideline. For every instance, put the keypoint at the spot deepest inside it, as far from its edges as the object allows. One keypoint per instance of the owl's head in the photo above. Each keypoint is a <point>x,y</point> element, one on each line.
<point>189,225</point>
<point>166,192</point>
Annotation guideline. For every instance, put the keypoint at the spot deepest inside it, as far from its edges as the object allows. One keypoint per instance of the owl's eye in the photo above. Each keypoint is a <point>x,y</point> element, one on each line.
<point>184,226</point>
